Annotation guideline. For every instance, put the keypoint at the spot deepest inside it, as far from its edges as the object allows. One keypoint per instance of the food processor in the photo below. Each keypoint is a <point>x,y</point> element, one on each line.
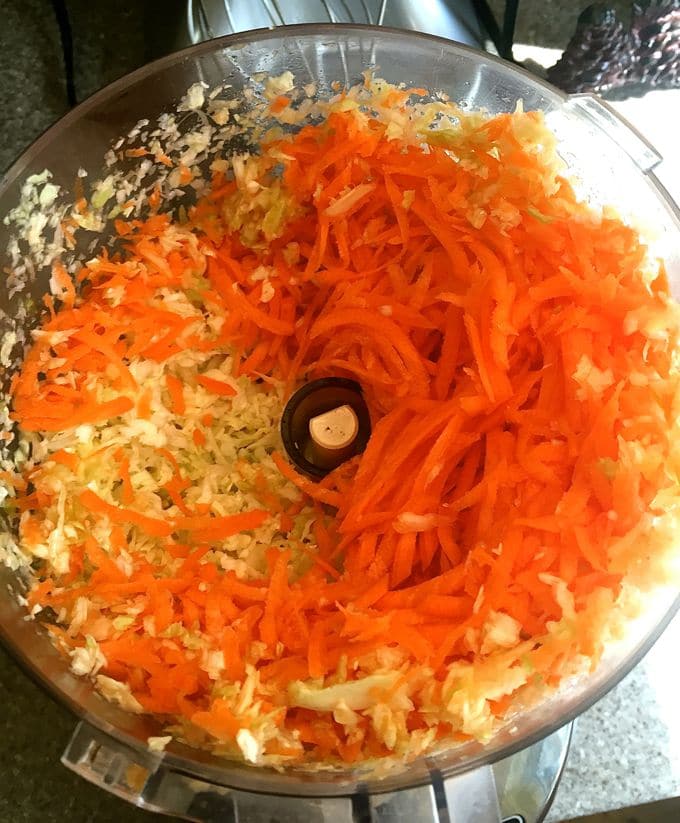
<point>513,776</point>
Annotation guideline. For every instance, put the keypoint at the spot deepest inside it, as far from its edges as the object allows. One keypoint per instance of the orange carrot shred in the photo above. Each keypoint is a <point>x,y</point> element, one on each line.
<point>176,391</point>
<point>216,386</point>
<point>518,363</point>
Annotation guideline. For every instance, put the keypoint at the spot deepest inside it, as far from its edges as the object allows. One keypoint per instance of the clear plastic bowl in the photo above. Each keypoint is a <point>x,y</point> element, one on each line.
<point>607,155</point>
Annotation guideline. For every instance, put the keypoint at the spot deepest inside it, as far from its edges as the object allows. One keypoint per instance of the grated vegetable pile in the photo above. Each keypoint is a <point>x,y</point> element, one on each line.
<point>518,350</point>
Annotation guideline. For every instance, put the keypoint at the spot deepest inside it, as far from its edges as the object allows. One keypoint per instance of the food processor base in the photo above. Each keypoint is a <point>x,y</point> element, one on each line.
<point>518,789</point>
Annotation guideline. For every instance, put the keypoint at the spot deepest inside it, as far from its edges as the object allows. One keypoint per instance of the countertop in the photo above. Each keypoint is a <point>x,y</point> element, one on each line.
<point>626,749</point>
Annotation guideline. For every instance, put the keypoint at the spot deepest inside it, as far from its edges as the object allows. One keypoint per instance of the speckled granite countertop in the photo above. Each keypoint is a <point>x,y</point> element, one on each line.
<point>625,750</point>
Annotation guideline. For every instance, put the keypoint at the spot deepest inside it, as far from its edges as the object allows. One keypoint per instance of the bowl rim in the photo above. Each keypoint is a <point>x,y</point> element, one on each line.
<point>234,774</point>
<point>243,39</point>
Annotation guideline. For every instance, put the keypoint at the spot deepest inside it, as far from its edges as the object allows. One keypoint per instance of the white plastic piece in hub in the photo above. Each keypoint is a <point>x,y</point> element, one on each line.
<point>335,429</point>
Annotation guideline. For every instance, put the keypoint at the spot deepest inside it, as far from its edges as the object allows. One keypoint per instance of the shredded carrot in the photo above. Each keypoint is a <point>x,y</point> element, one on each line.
<point>219,721</point>
<point>518,360</point>
<point>68,459</point>
<point>279,103</point>
<point>199,437</point>
<point>94,503</point>
<point>276,599</point>
<point>214,528</point>
<point>216,386</point>
<point>309,488</point>
<point>176,391</point>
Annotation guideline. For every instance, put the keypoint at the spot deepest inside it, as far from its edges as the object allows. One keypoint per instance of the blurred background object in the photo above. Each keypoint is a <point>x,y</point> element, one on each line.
<point>609,54</point>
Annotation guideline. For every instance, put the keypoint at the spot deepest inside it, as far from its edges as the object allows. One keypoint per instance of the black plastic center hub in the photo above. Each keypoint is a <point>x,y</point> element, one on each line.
<point>310,402</point>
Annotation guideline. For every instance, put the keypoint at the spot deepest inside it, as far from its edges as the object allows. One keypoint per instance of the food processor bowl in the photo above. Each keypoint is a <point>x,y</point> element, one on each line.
<point>614,166</point>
